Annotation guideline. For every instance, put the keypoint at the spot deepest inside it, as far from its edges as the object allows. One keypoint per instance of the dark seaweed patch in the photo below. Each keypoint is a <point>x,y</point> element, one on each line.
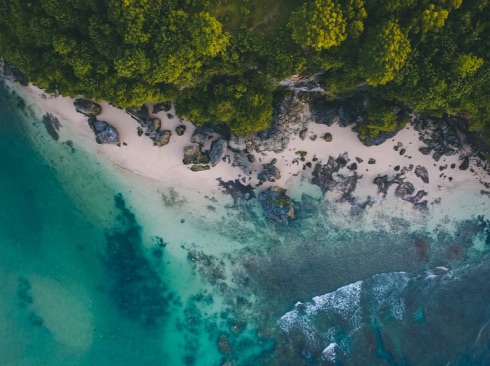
<point>137,288</point>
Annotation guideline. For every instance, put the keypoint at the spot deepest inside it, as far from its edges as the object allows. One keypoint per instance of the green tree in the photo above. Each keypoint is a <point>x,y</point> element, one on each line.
<point>383,53</point>
<point>319,24</point>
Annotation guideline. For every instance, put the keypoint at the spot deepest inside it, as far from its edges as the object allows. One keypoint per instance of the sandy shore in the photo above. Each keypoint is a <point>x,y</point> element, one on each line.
<point>457,197</point>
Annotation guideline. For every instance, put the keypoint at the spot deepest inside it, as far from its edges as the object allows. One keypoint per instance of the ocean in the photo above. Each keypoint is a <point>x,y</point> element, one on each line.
<point>103,267</point>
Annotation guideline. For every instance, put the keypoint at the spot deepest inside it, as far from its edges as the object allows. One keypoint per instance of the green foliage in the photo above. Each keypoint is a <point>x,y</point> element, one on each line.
<point>243,103</point>
<point>466,65</point>
<point>222,59</point>
<point>384,52</point>
<point>381,119</point>
<point>319,24</point>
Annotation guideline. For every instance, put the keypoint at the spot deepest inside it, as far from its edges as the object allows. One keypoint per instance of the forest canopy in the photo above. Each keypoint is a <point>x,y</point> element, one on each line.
<point>221,60</point>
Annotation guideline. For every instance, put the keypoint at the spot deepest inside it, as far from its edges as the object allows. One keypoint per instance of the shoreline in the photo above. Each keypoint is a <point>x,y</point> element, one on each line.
<point>456,193</point>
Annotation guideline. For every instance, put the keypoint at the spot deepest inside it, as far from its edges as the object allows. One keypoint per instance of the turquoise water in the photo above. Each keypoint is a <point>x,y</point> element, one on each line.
<point>99,268</point>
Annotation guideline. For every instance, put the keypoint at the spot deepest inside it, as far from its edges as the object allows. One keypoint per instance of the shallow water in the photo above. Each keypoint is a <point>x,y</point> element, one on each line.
<point>102,268</point>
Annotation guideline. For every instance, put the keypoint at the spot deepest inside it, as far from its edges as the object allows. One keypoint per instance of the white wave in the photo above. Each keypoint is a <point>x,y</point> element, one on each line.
<point>328,353</point>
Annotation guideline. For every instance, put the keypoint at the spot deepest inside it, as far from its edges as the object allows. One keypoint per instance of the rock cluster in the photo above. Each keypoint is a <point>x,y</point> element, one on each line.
<point>440,136</point>
<point>151,126</point>
<point>329,176</point>
<point>276,204</point>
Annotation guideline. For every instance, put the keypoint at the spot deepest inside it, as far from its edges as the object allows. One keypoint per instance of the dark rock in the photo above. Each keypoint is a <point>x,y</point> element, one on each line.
<point>465,164</point>
<point>218,150</point>
<point>329,178</point>
<point>104,132</point>
<point>302,133</point>
<point>201,135</point>
<point>241,161</point>
<point>194,155</point>
<point>269,173</point>
<point>140,131</point>
<point>12,73</point>
<point>170,116</point>
<point>424,150</point>
<point>87,107</point>
<point>251,158</point>
<point>328,137</point>
<point>403,151</point>
<point>323,111</point>
<point>52,125</point>
<point>404,190</point>
<point>353,166</point>
<point>371,161</point>
<point>397,168</point>
<point>180,130</point>
<point>422,173</point>
<point>165,106</point>
<point>200,168</point>
<point>359,160</point>
<point>276,204</point>
<point>155,124</point>
<point>383,184</point>
<point>162,138</point>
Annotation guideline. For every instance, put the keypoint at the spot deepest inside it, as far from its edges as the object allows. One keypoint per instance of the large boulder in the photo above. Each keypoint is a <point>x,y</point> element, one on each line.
<point>201,135</point>
<point>87,107</point>
<point>276,204</point>
<point>161,138</point>
<point>104,132</point>
<point>218,150</point>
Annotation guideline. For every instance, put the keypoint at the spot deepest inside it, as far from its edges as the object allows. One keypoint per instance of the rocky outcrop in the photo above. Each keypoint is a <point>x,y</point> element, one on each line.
<point>194,155</point>
<point>440,135</point>
<point>12,73</point>
<point>151,126</point>
<point>276,204</point>
<point>87,107</point>
<point>104,132</point>
<point>52,125</point>
<point>422,173</point>
<point>201,135</point>
<point>333,177</point>
<point>269,173</point>
<point>218,151</point>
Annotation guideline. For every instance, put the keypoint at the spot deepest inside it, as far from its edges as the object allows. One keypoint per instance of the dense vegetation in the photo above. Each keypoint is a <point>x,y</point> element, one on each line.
<point>222,59</point>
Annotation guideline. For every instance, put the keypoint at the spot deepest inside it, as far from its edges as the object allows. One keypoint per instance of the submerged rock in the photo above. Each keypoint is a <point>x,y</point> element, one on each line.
<point>104,132</point>
<point>218,150</point>
<point>87,107</point>
<point>276,204</point>
<point>52,125</point>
